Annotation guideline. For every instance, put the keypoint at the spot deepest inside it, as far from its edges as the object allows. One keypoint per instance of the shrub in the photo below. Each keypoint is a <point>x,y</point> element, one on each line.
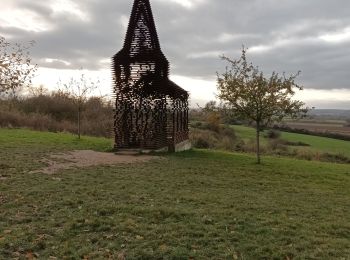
<point>196,124</point>
<point>228,131</point>
<point>277,144</point>
<point>201,143</point>
<point>227,144</point>
<point>204,136</point>
<point>296,143</point>
<point>251,147</point>
<point>16,119</point>
<point>335,158</point>
<point>58,106</point>
<point>305,154</point>
<point>324,157</point>
<point>213,121</point>
<point>203,139</point>
<point>56,113</point>
<point>273,134</point>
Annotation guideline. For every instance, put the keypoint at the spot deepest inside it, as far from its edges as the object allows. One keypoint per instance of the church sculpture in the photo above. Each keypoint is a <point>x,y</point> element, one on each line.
<point>151,111</point>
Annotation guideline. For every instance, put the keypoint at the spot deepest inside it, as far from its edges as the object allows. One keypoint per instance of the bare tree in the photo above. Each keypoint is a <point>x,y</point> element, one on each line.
<point>37,91</point>
<point>16,70</point>
<point>79,90</point>
<point>252,96</point>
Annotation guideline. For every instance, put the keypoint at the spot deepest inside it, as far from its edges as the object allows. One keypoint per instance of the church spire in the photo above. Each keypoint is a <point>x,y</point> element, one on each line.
<point>142,32</point>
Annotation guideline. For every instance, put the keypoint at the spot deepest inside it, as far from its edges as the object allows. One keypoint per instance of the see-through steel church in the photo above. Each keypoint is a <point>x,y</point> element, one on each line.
<point>151,111</point>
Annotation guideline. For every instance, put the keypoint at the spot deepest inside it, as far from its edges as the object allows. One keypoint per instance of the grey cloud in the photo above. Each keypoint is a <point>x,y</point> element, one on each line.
<point>38,7</point>
<point>193,38</point>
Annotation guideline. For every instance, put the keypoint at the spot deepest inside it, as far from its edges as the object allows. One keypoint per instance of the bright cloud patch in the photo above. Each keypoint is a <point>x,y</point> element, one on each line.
<point>50,77</point>
<point>24,20</point>
<point>68,6</point>
<point>276,44</point>
<point>57,61</point>
<point>198,88</point>
<point>186,3</point>
<point>207,54</point>
<point>337,37</point>
<point>124,20</point>
<point>318,95</point>
<point>328,99</point>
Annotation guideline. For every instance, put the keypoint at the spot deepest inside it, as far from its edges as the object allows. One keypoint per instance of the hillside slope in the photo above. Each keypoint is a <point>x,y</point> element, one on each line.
<point>197,204</point>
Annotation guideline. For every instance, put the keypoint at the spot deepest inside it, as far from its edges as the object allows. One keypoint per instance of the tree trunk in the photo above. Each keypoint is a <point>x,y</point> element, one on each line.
<point>79,123</point>
<point>258,143</point>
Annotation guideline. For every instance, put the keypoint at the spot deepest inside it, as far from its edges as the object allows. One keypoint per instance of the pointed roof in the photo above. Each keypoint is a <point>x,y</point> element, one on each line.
<point>142,28</point>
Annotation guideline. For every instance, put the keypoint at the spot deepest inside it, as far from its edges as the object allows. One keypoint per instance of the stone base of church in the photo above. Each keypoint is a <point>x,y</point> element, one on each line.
<point>180,147</point>
<point>183,146</point>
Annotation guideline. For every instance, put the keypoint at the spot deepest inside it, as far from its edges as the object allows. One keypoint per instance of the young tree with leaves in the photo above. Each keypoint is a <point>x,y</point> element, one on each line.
<point>78,90</point>
<point>16,70</point>
<point>254,97</point>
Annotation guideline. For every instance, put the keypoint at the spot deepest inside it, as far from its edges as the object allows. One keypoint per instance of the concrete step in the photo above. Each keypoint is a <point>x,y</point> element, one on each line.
<point>132,151</point>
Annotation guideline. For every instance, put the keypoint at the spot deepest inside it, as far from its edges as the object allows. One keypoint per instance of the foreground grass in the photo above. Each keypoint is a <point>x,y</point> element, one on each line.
<point>23,138</point>
<point>20,146</point>
<point>197,204</point>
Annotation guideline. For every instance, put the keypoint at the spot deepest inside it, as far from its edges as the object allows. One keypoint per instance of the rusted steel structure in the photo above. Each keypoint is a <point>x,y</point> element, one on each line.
<point>151,111</point>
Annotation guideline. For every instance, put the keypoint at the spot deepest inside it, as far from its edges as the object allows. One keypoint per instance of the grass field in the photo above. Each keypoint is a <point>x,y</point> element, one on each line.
<point>317,144</point>
<point>192,205</point>
<point>330,126</point>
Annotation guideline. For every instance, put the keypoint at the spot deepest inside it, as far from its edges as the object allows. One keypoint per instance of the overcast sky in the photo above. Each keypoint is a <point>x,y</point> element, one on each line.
<point>282,35</point>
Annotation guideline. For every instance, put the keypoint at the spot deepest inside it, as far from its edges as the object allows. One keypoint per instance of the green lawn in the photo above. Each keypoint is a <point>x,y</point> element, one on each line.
<point>192,205</point>
<point>244,132</point>
<point>317,144</point>
<point>18,138</point>
<point>322,144</point>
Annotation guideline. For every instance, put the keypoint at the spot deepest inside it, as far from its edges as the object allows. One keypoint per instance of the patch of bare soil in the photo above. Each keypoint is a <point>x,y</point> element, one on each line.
<point>87,158</point>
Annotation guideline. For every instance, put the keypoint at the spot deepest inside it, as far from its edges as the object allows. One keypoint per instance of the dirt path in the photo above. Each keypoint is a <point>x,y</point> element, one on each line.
<point>87,158</point>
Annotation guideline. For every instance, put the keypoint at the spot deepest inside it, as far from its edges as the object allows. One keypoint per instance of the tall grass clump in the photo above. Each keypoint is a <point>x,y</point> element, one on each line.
<point>213,136</point>
<point>56,112</point>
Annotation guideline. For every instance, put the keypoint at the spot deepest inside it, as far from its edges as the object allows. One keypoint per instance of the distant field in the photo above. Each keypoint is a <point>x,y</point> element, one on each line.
<point>332,126</point>
<point>193,205</point>
<point>318,144</point>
